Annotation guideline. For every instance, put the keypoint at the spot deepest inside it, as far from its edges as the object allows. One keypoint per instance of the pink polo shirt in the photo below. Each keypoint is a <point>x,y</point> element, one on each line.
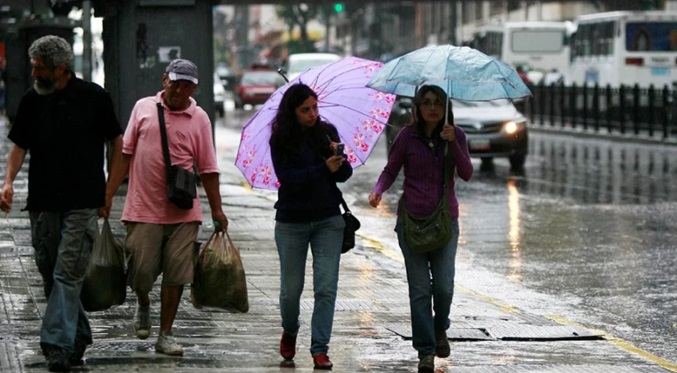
<point>189,133</point>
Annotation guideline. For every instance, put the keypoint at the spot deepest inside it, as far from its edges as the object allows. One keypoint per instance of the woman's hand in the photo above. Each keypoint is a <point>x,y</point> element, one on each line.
<point>374,199</point>
<point>334,162</point>
<point>448,133</point>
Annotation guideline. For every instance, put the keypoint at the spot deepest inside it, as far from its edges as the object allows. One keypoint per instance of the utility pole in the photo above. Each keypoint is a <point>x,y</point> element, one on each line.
<point>87,40</point>
<point>327,27</point>
<point>454,21</point>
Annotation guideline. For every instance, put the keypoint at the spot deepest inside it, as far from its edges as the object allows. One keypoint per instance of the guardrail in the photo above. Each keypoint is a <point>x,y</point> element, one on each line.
<point>623,110</point>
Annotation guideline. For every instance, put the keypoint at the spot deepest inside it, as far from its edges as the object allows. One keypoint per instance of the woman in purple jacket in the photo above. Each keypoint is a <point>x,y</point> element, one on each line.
<point>419,148</point>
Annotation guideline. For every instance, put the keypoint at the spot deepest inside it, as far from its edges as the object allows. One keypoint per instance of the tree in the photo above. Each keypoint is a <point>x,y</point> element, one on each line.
<point>63,7</point>
<point>298,15</point>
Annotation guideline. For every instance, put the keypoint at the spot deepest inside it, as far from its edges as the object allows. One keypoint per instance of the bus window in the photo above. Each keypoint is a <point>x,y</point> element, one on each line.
<point>602,37</point>
<point>653,36</point>
<point>607,47</point>
<point>537,41</point>
<point>489,43</point>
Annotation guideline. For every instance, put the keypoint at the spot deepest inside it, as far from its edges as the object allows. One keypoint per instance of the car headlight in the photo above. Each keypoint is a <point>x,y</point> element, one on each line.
<point>511,127</point>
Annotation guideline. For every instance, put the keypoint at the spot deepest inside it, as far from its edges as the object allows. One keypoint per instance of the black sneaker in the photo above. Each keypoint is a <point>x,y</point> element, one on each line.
<point>426,364</point>
<point>78,352</point>
<point>57,358</point>
<point>443,349</point>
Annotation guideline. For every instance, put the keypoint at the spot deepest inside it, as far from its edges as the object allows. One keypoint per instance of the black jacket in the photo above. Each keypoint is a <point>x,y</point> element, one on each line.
<point>308,189</point>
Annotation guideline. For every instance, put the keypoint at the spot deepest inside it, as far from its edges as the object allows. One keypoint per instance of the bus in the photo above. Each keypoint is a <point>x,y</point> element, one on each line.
<point>624,48</point>
<point>537,47</point>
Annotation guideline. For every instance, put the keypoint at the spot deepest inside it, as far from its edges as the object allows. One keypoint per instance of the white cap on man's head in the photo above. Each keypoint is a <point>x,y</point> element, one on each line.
<point>180,69</point>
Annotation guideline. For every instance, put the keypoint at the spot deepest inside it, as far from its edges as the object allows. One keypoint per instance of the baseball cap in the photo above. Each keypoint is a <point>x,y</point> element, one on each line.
<point>180,69</point>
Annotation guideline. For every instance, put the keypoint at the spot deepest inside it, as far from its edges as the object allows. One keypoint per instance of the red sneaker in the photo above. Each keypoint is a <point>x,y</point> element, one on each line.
<point>322,362</point>
<point>288,346</point>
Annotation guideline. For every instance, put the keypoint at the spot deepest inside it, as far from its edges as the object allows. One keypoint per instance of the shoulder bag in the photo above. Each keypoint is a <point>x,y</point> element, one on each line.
<point>181,183</point>
<point>352,225</point>
<point>434,231</point>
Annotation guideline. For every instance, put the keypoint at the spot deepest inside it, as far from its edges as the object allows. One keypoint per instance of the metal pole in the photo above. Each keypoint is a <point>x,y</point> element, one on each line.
<point>454,21</point>
<point>327,25</point>
<point>87,40</point>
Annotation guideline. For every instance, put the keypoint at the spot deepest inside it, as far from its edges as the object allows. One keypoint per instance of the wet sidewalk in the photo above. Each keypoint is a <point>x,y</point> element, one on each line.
<point>371,328</point>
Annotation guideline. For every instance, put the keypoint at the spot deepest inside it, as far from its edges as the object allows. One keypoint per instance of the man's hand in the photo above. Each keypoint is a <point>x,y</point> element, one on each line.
<point>104,211</point>
<point>220,221</point>
<point>6,197</point>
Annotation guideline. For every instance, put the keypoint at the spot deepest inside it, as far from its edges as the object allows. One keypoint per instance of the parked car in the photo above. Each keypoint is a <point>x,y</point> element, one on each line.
<point>219,97</point>
<point>254,87</point>
<point>226,76</point>
<point>300,62</point>
<point>493,128</point>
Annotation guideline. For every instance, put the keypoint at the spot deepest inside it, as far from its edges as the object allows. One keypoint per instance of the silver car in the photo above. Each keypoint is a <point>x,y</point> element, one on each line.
<point>493,128</point>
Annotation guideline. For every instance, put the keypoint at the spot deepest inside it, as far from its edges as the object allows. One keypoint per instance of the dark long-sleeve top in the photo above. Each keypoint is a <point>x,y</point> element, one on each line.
<point>423,170</point>
<point>307,189</point>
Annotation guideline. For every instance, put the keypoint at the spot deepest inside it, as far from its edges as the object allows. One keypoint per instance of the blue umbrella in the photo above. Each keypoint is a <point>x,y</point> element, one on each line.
<point>464,73</point>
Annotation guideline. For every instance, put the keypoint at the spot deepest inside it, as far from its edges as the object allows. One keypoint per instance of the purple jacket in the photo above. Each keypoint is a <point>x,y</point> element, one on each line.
<point>423,170</point>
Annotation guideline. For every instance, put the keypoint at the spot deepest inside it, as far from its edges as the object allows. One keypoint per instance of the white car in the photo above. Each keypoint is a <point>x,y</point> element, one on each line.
<point>219,97</point>
<point>300,62</point>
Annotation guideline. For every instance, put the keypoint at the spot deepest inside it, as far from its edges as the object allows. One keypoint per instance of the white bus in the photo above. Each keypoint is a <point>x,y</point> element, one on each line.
<point>538,47</point>
<point>624,48</point>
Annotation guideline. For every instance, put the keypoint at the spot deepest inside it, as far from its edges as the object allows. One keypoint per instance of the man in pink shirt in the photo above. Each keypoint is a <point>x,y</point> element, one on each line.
<point>160,235</point>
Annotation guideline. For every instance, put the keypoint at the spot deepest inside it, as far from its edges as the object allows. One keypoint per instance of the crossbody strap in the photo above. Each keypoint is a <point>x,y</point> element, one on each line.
<point>163,135</point>
<point>447,169</point>
<point>447,166</point>
<point>343,202</point>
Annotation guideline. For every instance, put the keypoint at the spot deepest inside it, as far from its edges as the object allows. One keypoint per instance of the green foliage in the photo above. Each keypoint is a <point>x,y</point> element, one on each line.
<point>299,15</point>
<point>300,46</point>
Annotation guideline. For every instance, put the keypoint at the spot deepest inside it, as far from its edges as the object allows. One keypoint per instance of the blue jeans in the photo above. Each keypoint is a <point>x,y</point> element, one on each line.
<point>423,289</point>
<point>63,244</point>
<point>325,238</point>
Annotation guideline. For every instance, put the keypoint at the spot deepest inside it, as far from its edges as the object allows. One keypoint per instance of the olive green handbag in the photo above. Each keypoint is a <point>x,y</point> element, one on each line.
<point>434,231</point>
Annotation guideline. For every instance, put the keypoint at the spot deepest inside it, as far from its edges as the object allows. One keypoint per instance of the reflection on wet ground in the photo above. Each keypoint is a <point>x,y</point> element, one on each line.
<point>589,220</point>
<point>598,171</point>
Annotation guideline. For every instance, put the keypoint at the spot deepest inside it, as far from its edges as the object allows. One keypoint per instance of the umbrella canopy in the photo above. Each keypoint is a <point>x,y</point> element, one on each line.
<point>358,112</point>
<point>464,73</point>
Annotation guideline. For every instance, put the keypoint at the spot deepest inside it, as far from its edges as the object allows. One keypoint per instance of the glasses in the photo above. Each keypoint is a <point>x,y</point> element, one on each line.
<point>427,104</point>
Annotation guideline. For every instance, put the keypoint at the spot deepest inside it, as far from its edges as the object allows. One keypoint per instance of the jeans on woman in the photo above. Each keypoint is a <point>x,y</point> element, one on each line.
<point>325,238</point>
<point>428,294</point>
<point>63,244</point>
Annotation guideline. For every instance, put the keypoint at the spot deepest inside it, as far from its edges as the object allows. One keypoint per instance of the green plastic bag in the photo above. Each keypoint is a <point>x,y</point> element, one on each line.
<point>220,279</point>
<point>105,281</point>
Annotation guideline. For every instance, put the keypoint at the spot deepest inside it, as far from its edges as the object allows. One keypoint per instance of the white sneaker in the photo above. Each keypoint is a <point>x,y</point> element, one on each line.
<point>166,344</point>
<point>142,322</point>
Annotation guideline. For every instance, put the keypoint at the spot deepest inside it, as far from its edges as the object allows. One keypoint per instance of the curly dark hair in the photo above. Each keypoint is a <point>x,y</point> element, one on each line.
<point>287,133</point>
<point>416,117</point>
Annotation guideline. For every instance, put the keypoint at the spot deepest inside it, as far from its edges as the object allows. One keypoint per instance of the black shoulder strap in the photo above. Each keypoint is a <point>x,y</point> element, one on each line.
<point>447,165</point>
<point>343,202</point>
<point>163,135</point>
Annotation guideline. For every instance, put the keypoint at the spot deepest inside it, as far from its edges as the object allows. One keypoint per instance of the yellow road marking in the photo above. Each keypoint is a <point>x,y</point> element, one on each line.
<point>620,343</point>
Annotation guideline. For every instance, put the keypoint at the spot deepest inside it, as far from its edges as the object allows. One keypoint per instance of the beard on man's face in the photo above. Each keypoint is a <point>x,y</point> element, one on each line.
<point>44,86</point>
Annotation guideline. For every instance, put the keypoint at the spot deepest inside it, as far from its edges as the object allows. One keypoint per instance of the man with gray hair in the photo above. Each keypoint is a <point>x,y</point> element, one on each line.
<point>64,122</point>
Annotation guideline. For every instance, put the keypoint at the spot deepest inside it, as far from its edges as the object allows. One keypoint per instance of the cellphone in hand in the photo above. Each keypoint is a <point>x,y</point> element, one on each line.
<point>340,149</point>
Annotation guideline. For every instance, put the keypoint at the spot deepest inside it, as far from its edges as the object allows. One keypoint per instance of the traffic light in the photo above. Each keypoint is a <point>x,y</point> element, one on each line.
<point>338,7</point>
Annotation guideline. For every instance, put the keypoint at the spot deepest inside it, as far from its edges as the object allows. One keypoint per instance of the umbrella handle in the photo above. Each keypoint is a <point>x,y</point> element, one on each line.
<point>281,72</point>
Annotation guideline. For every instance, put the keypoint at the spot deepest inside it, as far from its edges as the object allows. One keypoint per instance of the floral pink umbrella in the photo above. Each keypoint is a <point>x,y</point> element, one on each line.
<point>359,113</point>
